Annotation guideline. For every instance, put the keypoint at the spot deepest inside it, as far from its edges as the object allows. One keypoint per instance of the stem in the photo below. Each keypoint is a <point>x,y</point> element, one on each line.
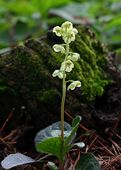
<point>63,95</point>
<point>61,164</point>
<point>62,105</point>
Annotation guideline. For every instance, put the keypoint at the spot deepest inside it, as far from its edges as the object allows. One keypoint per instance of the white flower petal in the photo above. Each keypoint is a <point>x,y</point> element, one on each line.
<point>71,86</point>
<point>78,83</point>
<point>66,31</point>
<point>69,37</point>
<point>67,26</point>
<point>60,75</point>
<point>55,73</point>
<point>57,31</point>
<point>74,84</point>
<point>74,56</point>
<point>59,48</point>
<point>75,30</point>
<point>67,66</point>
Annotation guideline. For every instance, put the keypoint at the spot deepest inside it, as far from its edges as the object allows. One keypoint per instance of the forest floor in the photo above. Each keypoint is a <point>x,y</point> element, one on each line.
<point>106,147</point>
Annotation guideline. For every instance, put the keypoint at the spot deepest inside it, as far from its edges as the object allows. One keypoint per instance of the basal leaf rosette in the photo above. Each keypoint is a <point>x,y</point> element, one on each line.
<point>49,139</point>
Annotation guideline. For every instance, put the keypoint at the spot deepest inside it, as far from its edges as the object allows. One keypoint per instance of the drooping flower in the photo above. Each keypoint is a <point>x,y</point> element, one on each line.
<point>59,48</point>
<point>75,31</point>
<point>67,66</point>
<point>68,38</point>
<point>73,56</point>
<point>57,31</point>
<point>74,84</point>
<point>58,73</point>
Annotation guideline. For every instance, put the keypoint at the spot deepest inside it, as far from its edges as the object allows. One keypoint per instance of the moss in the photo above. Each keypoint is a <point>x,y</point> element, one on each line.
<point>27,74</point>
<point>90,69</point>
<point>48,96</point>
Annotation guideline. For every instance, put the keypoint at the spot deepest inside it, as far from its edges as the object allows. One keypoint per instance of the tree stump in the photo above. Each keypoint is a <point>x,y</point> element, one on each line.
<point>26,82</point>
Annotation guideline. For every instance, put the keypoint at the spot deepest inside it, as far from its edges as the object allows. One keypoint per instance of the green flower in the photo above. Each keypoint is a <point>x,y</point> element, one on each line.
<point>74,84</point>
<point>57,31</point>
<point>66,27</point>
<point>68,38</point>
<point>73,56</point>
<point>67,66</point>
<point>66,31</point>
<point>59,48</point>
<point>58,73</point>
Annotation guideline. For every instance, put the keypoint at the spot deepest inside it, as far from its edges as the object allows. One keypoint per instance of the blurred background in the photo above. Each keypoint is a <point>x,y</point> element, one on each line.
<point>22,19</point>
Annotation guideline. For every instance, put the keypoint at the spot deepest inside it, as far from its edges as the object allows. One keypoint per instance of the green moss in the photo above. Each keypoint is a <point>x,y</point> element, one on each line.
<point>27,71</point>
<point>48,96</point>
<point>90,69</point>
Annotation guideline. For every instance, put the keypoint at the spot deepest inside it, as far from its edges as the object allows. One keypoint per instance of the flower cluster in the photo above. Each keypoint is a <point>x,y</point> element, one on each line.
<point>68,33</point>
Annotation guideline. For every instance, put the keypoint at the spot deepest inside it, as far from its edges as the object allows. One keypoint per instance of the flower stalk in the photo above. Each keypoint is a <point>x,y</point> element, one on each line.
<point>63,95</point>
<point>68,33</point>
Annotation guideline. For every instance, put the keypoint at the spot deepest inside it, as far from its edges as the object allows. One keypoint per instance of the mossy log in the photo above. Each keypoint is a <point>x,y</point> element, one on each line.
<point>26,80</point>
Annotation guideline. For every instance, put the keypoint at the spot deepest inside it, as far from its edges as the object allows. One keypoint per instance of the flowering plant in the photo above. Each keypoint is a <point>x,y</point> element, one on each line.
<point>57,139</point>
<point>60,134</point>
<point>68,33</point>
<point>63,134</point>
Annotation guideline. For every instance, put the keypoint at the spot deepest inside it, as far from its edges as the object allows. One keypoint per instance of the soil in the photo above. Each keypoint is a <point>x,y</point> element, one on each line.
<point>103,142</point>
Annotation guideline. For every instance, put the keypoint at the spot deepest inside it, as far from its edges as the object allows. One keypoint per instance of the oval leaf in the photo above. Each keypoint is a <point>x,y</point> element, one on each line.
<point>51,131</point>
<point>16,159</point>
<point>53,146</point>
<point>88,162</point>
<point>49,140</point>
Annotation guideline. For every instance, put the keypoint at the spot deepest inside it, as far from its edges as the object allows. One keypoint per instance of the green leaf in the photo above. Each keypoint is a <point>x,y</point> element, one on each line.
<point>75,125</point>
<point>76,120</point>
<point>53,146</point>
<point>49,140</point>
<point>16,159</point>
<point>72,135</point>
<point>53,130</point>
<point>88,162</point>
